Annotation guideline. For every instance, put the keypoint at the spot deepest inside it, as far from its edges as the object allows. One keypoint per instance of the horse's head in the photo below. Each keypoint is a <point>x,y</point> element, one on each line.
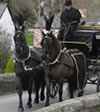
<point>46,44</point>
<point>50,46</point>
<point>20,43</point>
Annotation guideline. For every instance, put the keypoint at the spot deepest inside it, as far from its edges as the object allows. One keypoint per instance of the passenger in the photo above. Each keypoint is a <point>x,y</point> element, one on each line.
<point>69,20</point>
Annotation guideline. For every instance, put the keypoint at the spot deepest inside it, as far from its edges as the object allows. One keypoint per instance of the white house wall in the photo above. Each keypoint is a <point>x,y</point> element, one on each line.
<point>7,24</point>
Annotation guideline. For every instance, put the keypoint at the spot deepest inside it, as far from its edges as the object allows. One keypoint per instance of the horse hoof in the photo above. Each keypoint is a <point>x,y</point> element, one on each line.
<point>60,100</point>
<point>36,101</point>
<point>42,98</point>
<point>80,94</point>
<point>20,109</point>
<point>47,104</point>
<point>29,105</point>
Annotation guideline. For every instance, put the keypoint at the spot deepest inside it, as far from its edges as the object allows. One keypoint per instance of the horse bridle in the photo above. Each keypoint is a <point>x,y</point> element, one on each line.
<point>22,61</point>
<point>19,32</point>
<point>57,58</point>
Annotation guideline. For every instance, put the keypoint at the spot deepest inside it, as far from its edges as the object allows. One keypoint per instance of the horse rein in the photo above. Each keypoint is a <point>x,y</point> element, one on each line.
<point>67,29</point>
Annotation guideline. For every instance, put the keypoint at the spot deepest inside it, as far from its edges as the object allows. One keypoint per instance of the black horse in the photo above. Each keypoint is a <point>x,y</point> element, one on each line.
<point>26,59</point>
<point>61,65</point>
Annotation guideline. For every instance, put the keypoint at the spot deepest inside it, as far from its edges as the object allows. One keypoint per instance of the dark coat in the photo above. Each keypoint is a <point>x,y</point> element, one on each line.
<point>70,15</point>
<point>66,17</point>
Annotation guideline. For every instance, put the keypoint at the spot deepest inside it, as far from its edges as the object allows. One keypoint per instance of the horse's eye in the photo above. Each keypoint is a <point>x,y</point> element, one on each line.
<point>17,36</point>
<point>44,42</point>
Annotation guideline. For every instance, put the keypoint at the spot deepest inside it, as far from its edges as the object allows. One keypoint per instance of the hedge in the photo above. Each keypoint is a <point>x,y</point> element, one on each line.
<point>10,66</point>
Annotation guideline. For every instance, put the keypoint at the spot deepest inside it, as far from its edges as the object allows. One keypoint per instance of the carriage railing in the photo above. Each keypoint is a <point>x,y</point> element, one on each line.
<point>90,28</point>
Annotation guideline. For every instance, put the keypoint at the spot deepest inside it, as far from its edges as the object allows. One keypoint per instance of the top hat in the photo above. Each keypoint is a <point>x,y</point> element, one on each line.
<point>68,3</point>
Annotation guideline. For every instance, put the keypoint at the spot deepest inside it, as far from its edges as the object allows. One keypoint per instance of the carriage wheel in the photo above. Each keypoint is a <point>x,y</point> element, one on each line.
<point>53,89</point>
<point>98,85</point>
<point>92,80</point>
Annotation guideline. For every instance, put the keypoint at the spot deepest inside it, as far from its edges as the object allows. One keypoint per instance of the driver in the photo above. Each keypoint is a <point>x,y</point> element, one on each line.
<point>69,18</point>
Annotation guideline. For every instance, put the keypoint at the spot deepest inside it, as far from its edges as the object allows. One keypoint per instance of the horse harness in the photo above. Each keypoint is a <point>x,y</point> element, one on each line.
<point>23,61</point>
<point>62,51</point>
<point>72,54</point>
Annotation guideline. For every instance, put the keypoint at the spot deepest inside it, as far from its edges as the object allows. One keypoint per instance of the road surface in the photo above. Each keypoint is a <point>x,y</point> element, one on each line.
<point>9,103</point>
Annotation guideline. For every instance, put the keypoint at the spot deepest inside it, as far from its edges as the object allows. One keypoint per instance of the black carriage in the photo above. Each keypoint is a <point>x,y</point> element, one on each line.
<point>87,40</point>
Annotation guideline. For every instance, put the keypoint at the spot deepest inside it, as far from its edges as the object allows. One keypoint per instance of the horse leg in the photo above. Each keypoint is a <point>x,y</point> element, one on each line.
<point>29,104</point>
<point>36,100</point>
<point>48,91</point>
<point>42,96</point>
<point>70,89</point>
<point>21,108</point>
<point>60,91</point>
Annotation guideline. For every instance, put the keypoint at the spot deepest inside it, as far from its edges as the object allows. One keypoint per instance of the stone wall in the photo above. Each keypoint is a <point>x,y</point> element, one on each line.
<point>7,84</point>
<point>88,103</point>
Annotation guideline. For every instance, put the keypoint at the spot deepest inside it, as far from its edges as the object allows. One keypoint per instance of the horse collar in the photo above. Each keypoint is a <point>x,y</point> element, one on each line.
<point>23,61</point>
<point>57,58</point>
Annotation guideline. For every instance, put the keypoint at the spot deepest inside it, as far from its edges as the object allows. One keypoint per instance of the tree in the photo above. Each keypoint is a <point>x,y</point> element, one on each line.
<point>5,49</point>
<point>25,9</point>
<point>4,1</point>
<point>31,9</point>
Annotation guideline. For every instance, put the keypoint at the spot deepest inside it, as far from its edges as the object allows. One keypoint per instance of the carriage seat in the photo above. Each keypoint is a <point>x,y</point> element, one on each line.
<point>84,40</point>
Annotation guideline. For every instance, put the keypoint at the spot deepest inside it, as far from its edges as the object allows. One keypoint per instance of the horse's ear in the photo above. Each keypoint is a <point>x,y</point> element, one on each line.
<point>22,28</point>
<point>43,34</point>
<point>51,33</point>
<point>48,21</point>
